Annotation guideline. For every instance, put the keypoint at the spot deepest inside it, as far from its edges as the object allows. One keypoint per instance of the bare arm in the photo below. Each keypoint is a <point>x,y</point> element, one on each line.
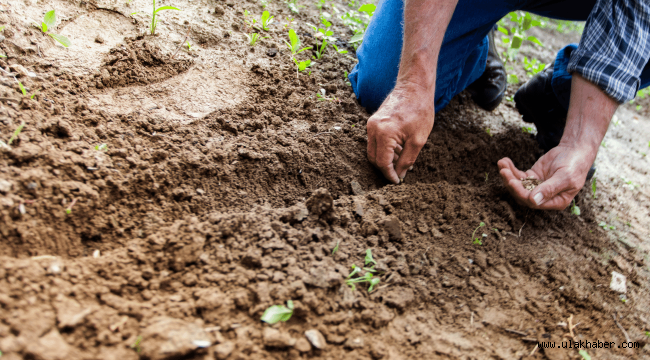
<point>400,128</point>
<point>564,168</point>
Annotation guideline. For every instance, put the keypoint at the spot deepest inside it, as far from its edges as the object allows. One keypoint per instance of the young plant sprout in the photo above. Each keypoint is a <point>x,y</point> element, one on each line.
<point>136,345</point>
<point>575,210</point>
<point>340,51</point>
<point>101,147</point>
<point>368,277</point>
<point>336,248</point>
<point>251,21</point>
<point>154,20</point>
<point>266,20</point>
<point>593,188</point>
<point>277,313</point>
<point>48,23</point>
<point>14,136</point>
<point>68,210</point>
<point>294,47</point>
<point>293,6</point>
<point>252,38</point>
<point>477,240</point>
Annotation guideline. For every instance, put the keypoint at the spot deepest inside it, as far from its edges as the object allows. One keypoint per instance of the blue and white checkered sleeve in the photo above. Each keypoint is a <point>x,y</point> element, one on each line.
<point>615,47</point>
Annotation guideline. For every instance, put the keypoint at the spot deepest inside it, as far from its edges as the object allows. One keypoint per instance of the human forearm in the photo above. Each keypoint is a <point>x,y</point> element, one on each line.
<point>590,112</point>
<point>425,23</point>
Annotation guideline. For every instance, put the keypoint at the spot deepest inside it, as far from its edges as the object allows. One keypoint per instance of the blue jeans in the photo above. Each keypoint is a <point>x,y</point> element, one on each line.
<point>464,49</point>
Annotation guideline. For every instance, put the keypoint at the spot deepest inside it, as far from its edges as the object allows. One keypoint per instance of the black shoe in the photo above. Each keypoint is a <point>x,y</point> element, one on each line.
<point>537,104</point>
<point>488,90</point>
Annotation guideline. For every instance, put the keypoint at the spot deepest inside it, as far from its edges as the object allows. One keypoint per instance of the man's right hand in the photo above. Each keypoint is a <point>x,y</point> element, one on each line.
<point>399,129</point>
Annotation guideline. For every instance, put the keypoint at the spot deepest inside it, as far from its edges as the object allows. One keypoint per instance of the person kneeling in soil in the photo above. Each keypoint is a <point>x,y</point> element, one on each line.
<point>418,54</point>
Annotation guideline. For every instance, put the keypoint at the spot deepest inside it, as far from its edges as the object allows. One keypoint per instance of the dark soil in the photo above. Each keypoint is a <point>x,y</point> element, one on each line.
<point>203,224</point>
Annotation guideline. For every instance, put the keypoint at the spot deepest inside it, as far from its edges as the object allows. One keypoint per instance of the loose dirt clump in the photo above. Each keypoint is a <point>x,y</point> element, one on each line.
<point>138,62</point>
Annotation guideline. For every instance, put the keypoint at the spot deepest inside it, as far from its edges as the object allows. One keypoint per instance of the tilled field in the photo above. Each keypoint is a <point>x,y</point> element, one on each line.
<point>157,202</point>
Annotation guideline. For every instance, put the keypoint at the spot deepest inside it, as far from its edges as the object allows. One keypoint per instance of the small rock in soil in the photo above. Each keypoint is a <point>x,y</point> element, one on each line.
<point>169,338</point>
<point>302,345</point>
<point>99,39</point>
<point>356,188</point>
<point>399,298</point>
<point>618,283</point>
<point>275,338</point>
<point>222,351</point>
<point>316,338</point>
<point>358,208</point>
<point>320,202</point>
<point>392,226</point>
<point>272,52</point>
<point>51,346</point>
<point>530,183</point>
<point>5,186</point>
<point>354,343</point>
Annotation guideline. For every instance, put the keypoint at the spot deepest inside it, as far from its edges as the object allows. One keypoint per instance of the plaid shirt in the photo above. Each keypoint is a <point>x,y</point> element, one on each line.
<point>615,47</point>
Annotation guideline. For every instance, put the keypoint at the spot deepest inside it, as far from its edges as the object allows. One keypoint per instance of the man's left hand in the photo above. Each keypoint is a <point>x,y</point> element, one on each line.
<point>562,171</point>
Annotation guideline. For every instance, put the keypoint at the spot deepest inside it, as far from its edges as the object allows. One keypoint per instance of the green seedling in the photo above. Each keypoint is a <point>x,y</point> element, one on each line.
<point>294,47</point>
<point>248,19</point>
<point>603,144</point>
<point>136,345</point>
<point>320,50</point>
<point>14,136</point>
<point>346,79</point>
<point>188,45</point>
<point>293,6</point>
<point>369,259</point>
<point>593,188</point>
<point>355,270</point>
<point>48,23</point>
<point>527,129</point>
<point>321,97</point>
<point>336,248</point>
<point>519,22</point>
<point>605,226</point>
<point>575,210</point>
<point>647,333</point>
<point>367,278</point>
<point>358,21</point>
<point>584,354</point>
<point>264,3</point>
<point>513,79</point>
<point>477,240</point>
<point>290,22</point>
<point>488,131</point>
<point>533,67</point>
<point>266,20</point>
<point>101,147</point>
<point>486,177</point>
<point>340,51</point>
<point>68,210</point>
<point>154,20</point>
<point>277,313</point>
<point>24,91</point>
<point>252,38</point>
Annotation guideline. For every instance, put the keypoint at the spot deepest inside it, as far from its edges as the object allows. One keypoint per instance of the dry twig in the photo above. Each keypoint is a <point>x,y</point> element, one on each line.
<point>627,337</point>
<point>183,42</point>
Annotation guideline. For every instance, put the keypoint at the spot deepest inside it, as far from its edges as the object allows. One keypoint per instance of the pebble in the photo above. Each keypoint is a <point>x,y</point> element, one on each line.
<point>302,345</point>
<point>356,188</point>
<point>169,338</point>
<point>5,186</point>
<point>222,351</point>
<point>275,338</point>
<point>618,283</point>
<point>316,338</point>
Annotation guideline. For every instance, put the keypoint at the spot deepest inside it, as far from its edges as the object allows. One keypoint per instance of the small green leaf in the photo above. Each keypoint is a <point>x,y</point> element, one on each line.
<point>503,30</point>
<point>373,283</point>
<point>336,248</point>
<point>584,354</point>
<point>575,210</point>
<point>535,40</point>
<point>162,8</point>
<point>61,39</point>
<point>277,313</point>
<point>22,88</point>
<point>295,41</point>
<point>356,38</point>
<point>369,258</point>
<point>355,270</point>
<point>516,42</point>
<point>368,9</point>
<point>528,21</point>
<point>49,20</point>
<point>513,79</point>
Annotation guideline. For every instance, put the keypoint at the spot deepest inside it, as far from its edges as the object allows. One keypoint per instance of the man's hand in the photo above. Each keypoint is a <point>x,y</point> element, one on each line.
<point>398,131</point>
<point>400,128</point>
<point>562,170</point>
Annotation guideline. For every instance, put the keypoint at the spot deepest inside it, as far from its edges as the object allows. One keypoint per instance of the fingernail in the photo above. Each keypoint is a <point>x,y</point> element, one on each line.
<point>538,198</point>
